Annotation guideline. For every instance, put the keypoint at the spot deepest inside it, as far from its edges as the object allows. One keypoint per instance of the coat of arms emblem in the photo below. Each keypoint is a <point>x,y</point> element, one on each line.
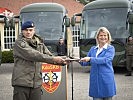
<point>51,77</point>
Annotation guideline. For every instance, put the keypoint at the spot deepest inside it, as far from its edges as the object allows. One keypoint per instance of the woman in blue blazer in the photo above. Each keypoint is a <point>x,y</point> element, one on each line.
<point>100,57</point>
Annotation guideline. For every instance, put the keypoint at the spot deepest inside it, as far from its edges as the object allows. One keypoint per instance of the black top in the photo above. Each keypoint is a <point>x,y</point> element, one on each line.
<point>61,50</point>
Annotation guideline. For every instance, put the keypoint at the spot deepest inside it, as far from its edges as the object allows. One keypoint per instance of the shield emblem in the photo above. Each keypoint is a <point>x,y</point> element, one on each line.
<point>51,77</point>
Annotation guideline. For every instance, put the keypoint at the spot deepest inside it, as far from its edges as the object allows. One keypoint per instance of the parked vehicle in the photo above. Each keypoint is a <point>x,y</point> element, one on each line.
<point>51,22</point>
<point>116,15</point>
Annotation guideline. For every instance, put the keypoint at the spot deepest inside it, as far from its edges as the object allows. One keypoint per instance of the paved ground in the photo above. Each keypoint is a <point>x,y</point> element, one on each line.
<point>80,83</point>
<point>81,78</point>
<point>5,82</point>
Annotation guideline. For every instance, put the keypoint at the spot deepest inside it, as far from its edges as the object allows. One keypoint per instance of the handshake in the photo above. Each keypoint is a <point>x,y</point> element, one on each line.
<point>64,60</point>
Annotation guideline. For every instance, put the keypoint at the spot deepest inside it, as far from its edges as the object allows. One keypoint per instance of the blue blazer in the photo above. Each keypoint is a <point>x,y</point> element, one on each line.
<point>102,82</point>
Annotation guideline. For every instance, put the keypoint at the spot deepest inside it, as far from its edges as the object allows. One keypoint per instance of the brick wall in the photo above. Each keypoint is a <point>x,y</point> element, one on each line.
<point>15,5</point>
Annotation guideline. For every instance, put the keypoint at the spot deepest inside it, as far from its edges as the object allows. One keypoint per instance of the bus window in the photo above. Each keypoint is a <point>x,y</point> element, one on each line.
<point>46,25</point>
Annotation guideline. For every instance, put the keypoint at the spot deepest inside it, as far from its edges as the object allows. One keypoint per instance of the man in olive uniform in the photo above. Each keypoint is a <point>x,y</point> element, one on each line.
<point>29,52</point>
<point>129,55</point>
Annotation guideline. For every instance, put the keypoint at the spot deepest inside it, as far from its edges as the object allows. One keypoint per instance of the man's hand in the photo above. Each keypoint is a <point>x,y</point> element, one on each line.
<point>59,60</point>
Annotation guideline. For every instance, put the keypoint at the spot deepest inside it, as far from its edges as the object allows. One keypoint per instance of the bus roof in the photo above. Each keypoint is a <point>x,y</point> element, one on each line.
<point>100,4</point>
<point>55,7</point>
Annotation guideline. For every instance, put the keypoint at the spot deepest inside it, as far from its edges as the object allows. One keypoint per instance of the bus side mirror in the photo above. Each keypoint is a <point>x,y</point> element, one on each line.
<point>67,22</point>
<point>130,18</point>
<point>73,21</point>
<point>12,23</point>
<point>6,21</point>
<point>9,22</point>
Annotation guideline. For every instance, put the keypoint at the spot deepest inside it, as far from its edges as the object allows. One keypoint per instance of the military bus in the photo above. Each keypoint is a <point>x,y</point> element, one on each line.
<point>116,15</point>
<point>51,22</point>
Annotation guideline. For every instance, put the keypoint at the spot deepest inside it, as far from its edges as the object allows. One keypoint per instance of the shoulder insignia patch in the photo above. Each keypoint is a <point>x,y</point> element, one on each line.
<point>23,44</point>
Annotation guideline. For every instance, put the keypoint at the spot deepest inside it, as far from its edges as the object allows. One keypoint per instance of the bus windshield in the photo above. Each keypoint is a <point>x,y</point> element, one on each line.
<point>48,24</point>
<point>112,18</point>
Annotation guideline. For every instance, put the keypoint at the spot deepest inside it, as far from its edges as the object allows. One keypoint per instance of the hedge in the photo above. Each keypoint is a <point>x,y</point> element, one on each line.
<point>7,57</point>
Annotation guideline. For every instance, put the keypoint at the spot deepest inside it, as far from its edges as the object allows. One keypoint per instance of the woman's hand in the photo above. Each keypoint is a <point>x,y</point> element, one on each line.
<point>85,59</point>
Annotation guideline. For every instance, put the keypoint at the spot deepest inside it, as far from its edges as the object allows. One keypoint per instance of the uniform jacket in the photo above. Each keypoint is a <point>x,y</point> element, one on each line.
<point>28,56</point>
<point>129,48</point>
<point>102,82</point>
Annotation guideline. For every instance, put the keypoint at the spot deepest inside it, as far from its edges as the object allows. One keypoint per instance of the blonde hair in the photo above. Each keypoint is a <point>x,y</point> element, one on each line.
<point>103,29</point>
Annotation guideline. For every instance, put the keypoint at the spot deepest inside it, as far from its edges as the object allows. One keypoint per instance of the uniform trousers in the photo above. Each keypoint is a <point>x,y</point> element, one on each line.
<point>26,93</point>
<point>129,60</point>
